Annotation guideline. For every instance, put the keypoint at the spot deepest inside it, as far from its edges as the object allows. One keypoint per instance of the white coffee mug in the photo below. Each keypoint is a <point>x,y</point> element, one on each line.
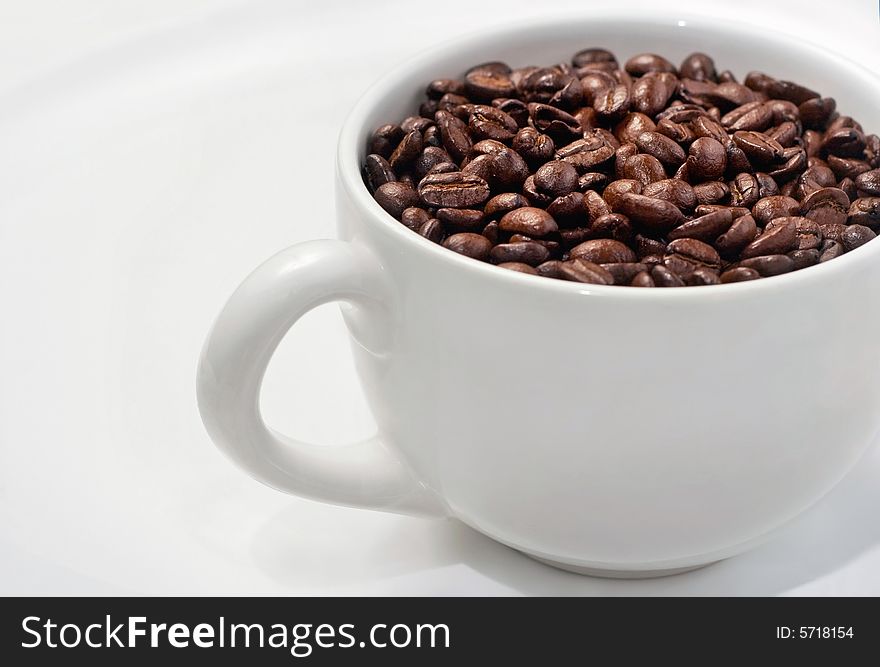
<point>610,430</point>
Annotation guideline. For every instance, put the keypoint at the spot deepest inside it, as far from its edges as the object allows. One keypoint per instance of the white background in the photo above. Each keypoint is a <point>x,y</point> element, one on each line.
<point>138,184</point>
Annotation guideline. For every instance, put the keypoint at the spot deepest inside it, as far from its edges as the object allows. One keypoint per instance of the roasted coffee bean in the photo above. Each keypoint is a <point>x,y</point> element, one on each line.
<point>803,258</point>
<point>865,211</point>
<point>711,192</point>
<point>485,83</point>
<point>394,197</point>
<point>643,168</point>
<point>663,277</point>
<point>759,148</point>
<point>612,226</point>
<point>741,232</point>
<point>528,220</point>
<point>769,265</point>
<point>704,228</point>
<point>856,235</point>
<point>775,206</point>
<point>556,178</point>
<point>582,271</point>
<point>744,190</point>
<point>643,176</point>
<point>826,206</point>
<point>592,180</point>
<point>487,122</point>
<point>414,218</point>
<point>688,251</point>
<point>648,62</point>
<point>535,148</point>
<point>593,55</point>
<point>460,219</point>
<point>655,215</point>
<point>378,171</point>
<point>454,134</point>
<point>699,67</point>
<point>651,93</point>
<point>706,160</point>
<point>753,116</point>
<point>778,238</point>
<point>739,274</point>
<point>603,251</point>
<point>527,252</point>
<point>830,250</point>
<point>475,246</point>
<point>673,190</point>
<point>735,211</point>
<point>385,139</point>
<point>519,267</point>
<point>432,230</point>
<point>613,103</point>
<point>632,125</point>
<point>868,183</point>
<point>662,148</point>
<point>455,190</point>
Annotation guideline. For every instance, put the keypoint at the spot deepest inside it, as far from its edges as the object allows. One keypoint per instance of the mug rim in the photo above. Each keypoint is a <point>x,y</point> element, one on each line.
<point>349,168</point>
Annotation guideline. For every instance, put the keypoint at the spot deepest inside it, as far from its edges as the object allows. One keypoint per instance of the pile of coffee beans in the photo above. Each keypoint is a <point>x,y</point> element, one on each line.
<point>648,175</point>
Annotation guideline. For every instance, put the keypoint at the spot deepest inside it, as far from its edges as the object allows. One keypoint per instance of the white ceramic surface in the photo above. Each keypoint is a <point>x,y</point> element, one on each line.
<point>593,427</point>
<point>146,167</point>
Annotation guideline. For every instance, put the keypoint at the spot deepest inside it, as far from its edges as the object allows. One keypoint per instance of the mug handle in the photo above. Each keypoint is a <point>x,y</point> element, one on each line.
<point>233,363</point>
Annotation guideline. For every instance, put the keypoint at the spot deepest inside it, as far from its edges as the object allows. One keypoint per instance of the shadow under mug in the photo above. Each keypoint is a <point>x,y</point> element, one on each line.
<point>607,430</point>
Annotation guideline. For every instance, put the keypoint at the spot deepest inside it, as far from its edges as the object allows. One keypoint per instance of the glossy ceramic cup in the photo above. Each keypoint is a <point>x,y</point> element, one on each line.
<point>611,430</point>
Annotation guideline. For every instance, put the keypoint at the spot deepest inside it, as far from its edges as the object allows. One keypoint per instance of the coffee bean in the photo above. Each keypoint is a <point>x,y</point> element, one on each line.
<point>769,265</point>
<point>632,125</point>
<point>739,274</point>
<point>711,192</point>
<point>699,67</point>
<point>688,251</point>
<point>561,126</point>
<point>655,215</point>
<point>648,62</point>
<point>617,188</point>
<point>704,228</point>
<point>454,134</point>
<point>830,250</point>
<point>460,219</point>
<point>759,148</point>
<point>642,279</point>
<point>662,148</point>
<point>593,55</point>
<point>745,190</point>
<point>384,140</point>
<point>673,190</point>
<point>663,277</point>
<point>865,211</point>
<point>487,122</point>
<point>613,103</point>
<point>786,134</point>
<point>868,183</point>
<point>586,153</point>
<point>795,161</point>
<point>612,226</point>
<point>804,258</point>
<point>556,178</point>
<point>826,206</point>
<point>414,218</point>
<point>582,271</point>
<point>568,210</point>
<point>526,252</point>
<point>394,197</point>
<point>753,116</point>
<point>730,94</point>
<point>856,235</point>
<point>775,206</point>
<point>809,233</point>
<point>528,220</point>
<point>778,238</point>
<point>378,171</point>
<point>702,276</point>
<point>519,267</point>
<point>475,246</point>
<point>592,180</point>
<point>455,190</point>
<point>432,230</point>
<point>624,272</point>
<point>651,93</point>
<point>735,211</point>
<point>741,233</point>
<point>486,83</point>
<point>643,168</point>
<point>535,148</point>
<point>550,269</point>
<point>603,251</point>
<point>706,160</point>
<point>503,203</point>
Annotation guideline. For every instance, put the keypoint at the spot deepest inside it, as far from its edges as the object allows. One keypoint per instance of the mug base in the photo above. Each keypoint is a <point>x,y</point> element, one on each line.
<point>617,574</point>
